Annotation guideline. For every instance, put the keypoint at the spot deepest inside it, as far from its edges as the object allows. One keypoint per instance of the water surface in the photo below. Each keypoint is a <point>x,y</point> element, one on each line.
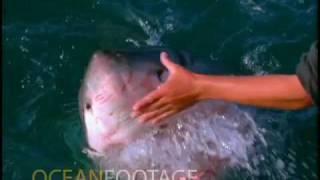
<point>47,44</point>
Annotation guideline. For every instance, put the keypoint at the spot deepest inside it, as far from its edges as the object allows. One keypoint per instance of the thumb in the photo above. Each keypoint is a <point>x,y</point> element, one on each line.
<point>167,62</point>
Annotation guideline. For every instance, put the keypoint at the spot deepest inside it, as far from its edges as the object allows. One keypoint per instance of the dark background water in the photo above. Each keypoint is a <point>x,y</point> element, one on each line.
<point>47,45</point>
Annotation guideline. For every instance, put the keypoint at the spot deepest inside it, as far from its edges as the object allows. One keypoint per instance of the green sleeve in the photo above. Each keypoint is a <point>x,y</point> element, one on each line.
<point>307,72</point>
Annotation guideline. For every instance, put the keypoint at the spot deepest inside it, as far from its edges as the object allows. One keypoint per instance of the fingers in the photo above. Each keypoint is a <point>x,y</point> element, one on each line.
<point>153,114</point>
<point>163,116</point>
<point>148,100</point>
<point>157,94</point>
<point>153,106</point>
<point>156,105</point>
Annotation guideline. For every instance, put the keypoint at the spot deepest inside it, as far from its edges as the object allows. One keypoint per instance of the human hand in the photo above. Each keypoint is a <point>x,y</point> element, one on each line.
<point>176,94</point>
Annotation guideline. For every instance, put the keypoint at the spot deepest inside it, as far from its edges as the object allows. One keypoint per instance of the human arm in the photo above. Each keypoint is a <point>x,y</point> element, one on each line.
<point>184,88</point>
<point>270,91</point>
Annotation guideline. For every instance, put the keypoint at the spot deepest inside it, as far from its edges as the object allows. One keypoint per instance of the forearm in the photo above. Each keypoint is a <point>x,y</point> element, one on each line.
<point>271,91</point>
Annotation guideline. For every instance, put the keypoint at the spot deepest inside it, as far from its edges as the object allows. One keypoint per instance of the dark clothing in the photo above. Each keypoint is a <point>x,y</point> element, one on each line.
<point>307,72</point>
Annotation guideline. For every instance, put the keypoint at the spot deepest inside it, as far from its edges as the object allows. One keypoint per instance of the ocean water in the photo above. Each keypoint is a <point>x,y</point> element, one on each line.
<point>47,45</point>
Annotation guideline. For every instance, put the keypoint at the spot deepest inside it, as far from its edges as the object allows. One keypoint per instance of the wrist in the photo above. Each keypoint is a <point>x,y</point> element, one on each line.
<point>200,87</point>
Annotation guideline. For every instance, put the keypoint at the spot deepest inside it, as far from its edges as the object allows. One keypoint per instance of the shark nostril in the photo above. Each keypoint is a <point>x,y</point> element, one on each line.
<point>88,106</point>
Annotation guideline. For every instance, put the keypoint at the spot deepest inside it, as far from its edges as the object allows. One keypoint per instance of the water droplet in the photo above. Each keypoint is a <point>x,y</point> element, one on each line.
<point>23,49</point>
<point>305,165</point>
<point>280,164</point>
<point>24,38</point>
<point>61,55</point>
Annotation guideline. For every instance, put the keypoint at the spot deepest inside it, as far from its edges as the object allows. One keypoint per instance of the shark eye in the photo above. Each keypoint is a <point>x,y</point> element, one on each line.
<point>162,75</point>
<point>88,106</point>
<point>159,72</point>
